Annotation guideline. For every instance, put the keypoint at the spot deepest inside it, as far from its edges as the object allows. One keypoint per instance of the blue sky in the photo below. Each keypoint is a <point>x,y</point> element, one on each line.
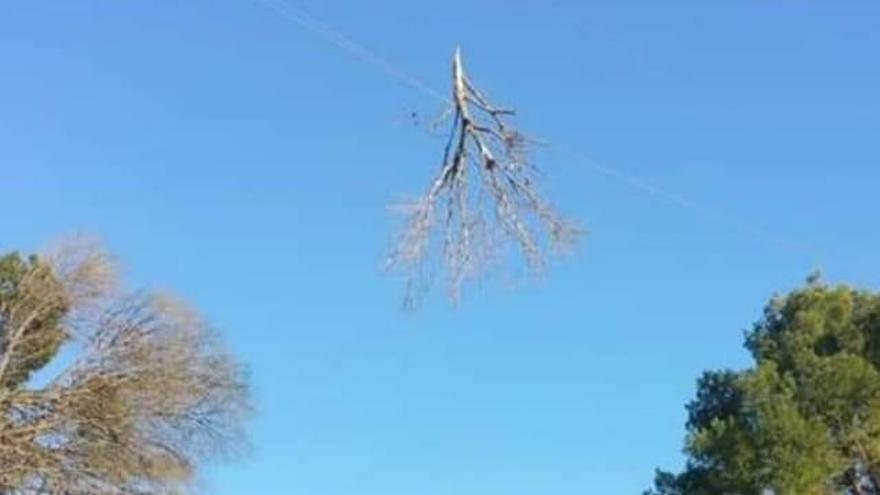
<point>222,151</point>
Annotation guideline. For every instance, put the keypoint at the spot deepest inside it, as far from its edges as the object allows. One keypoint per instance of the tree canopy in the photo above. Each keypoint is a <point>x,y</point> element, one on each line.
<point>805,418</point>
<point>149,394</point>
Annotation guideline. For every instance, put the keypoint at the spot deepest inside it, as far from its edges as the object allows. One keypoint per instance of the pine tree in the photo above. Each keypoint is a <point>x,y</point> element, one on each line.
<point>805,419</point>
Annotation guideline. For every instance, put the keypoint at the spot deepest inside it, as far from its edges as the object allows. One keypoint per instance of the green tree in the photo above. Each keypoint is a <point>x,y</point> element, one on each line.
<point>41,331</point>
<point>805,419</point>
<point>150,394</point>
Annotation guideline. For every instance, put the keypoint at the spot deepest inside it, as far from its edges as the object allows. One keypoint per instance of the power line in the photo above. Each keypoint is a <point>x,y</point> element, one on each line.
<point>346,44</point>
<point>324,30</point>
<point>750,229</point>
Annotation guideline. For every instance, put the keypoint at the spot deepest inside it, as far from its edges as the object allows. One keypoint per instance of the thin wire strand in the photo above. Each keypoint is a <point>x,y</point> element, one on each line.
<point>343,42</point>
<point>706,211</point>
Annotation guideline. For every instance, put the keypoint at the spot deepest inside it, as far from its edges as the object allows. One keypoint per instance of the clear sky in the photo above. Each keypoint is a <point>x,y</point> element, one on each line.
<point>224,152</point>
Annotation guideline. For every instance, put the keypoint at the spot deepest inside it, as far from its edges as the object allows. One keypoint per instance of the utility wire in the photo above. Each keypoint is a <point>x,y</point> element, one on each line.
<point>343,42</point>
<point>306,21</point>
<point>781,241</point>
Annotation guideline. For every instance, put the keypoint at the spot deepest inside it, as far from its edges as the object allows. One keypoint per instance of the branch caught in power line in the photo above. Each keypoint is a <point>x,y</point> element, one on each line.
<point>327,32</point>
<point>482,203</point>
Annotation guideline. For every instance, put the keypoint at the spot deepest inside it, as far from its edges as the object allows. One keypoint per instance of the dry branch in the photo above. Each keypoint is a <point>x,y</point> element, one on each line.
<point>482,203</point>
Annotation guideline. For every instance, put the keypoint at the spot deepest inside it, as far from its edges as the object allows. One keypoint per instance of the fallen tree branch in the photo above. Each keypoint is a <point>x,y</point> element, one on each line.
<point>482,203</point>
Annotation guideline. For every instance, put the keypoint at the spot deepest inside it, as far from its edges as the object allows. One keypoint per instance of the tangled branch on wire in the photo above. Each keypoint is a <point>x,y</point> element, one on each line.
<point>482,203</point>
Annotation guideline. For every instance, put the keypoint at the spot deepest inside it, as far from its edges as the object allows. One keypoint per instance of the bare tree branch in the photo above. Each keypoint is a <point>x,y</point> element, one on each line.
<point>482,201</point>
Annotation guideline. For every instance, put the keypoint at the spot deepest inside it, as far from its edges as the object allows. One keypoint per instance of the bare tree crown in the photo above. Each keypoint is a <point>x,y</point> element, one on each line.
<point>149,396</point>
<point>482,204</point>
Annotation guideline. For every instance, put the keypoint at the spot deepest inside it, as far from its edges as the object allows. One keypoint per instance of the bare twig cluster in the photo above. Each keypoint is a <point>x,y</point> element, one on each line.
<point>149,396</point>
<point>482,202</point>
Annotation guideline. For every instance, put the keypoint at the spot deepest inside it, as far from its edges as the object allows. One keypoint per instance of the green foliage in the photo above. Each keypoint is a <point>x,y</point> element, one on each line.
<point>806,418</point>
<point>149,395</point>
<point>32,304</point>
